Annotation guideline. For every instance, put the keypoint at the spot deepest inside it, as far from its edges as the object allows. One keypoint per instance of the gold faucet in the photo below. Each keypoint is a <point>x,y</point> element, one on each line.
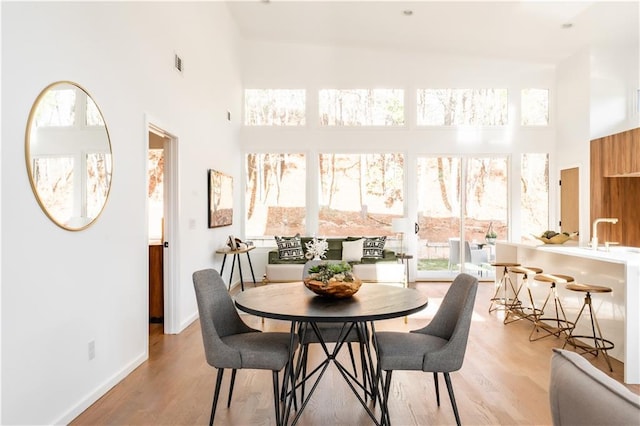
<point>594,233</point>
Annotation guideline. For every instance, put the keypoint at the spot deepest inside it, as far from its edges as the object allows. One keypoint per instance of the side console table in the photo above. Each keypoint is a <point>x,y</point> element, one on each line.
<point>236,256</point>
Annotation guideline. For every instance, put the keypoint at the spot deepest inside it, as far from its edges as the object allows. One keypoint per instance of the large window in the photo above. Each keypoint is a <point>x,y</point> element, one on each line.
<point>462,107</point>
<point>275,194</point>
<point>360,193</point>
<point>361,107</point>
<point>274,107</point>
<point>534,194</point>
<point>534,107</point>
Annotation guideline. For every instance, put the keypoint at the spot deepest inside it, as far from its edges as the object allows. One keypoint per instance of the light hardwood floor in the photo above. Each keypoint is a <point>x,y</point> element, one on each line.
<point>503,381</point>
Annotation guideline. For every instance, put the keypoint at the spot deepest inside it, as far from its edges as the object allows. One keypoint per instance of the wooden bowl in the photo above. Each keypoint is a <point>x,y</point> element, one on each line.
<point>335,289</point>
<point>556,239</point>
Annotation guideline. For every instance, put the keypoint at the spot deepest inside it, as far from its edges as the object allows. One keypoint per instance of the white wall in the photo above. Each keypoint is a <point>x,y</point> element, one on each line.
<point>573,108</point>
<point>62,289</point>
<point>615,80</point>
<point>597,96</point>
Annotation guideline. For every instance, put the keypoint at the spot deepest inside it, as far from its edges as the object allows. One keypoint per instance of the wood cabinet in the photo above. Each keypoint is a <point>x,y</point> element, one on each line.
<point>156,283</point>
<point>620,154</point>
<point>615,186</point>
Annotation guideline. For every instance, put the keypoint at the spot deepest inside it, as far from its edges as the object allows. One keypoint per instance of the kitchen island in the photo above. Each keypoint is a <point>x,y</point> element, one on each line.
<point>618,312</point>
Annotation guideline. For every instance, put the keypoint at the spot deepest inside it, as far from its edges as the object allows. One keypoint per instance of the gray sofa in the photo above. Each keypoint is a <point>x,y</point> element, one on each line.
<point>580,394</point>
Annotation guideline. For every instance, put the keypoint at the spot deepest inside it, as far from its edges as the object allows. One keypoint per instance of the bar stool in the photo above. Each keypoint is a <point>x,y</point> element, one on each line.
<point>600,344</point>
<point>520,312</point>
<point>562,325</point>
<point>505,302</point>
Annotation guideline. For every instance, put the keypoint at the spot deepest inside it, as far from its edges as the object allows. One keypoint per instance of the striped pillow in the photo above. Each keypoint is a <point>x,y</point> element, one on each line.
<point>373,248</point>
<point>290,248</point>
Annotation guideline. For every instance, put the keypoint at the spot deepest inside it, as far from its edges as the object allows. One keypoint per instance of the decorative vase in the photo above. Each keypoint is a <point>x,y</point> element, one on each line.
<point>316,257</point>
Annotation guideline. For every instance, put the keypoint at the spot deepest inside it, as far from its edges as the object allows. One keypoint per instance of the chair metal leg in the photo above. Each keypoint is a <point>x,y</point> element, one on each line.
<point>435,380</point>
<point>385,419</point>
<point>276,397</point>
<point>233,381</point>
<point>216,393</point>
<point>447,379</point>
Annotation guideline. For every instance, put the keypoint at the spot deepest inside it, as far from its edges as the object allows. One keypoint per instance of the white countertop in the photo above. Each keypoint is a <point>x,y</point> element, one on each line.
<point>616,254</point>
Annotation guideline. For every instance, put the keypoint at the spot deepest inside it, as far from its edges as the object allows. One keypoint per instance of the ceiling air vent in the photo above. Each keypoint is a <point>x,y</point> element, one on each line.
<point>177,62</point>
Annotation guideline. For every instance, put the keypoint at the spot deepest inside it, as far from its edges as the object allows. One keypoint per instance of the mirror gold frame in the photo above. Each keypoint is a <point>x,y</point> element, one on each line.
<point>68,155</point>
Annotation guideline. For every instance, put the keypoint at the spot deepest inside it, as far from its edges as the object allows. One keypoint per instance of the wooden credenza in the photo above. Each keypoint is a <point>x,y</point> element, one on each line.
<point>156,291</point>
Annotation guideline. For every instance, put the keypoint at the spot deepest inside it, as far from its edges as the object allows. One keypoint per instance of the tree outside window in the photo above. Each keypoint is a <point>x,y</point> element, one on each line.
<point>275,194</point>
<point>274,107</point>
<point>534,107</point>
<point>361,107</point>
<point>360,193</point>
<point>462,107</point>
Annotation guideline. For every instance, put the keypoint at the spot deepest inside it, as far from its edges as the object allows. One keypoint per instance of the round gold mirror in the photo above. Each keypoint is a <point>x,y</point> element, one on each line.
<point>68,154</point>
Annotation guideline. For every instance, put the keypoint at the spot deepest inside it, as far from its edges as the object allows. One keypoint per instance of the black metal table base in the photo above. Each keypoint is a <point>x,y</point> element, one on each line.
<point>368,386</point>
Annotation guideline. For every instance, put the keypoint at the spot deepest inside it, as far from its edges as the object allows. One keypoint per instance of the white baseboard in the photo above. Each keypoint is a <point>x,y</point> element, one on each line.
<point>186,323</point>
<point>102,389</point>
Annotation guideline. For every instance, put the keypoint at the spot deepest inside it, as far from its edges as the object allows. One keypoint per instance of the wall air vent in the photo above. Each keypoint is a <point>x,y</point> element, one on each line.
<point>177,62</point>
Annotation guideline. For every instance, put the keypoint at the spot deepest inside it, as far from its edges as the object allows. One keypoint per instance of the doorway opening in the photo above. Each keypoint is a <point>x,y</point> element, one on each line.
<point>162,195</point>
<point>570,200</point>
<point>156,200</point>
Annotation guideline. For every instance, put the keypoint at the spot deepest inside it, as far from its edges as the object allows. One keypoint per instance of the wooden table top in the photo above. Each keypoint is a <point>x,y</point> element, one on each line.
<point>294,302</point>
<point>227,250</point>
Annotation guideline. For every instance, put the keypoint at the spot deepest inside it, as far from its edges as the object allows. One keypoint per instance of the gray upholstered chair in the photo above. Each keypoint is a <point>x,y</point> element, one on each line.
<point>581,394</point>
<point>439,347</point>
<point>230,343</point>
<point>331,332</point>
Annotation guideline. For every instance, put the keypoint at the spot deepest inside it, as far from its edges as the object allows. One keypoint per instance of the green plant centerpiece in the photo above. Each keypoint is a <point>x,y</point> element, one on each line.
<point>332,280</point>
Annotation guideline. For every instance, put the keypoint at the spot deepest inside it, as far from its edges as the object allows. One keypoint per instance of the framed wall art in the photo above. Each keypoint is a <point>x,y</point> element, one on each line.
<point>220,199</point>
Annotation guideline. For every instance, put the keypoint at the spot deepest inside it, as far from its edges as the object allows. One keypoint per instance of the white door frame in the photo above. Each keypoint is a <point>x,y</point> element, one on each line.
<point>171,270</point>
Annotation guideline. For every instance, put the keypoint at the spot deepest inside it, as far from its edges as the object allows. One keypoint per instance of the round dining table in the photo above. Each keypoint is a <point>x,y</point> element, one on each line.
<point>295,303</point>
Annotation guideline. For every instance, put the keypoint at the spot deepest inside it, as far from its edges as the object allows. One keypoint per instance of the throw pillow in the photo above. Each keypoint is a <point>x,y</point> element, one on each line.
<point>352,250</point>
<point>373,248</point>
<point>289,248</point>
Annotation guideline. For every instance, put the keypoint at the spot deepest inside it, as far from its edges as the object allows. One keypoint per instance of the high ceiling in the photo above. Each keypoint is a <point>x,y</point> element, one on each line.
<point>518,30</point>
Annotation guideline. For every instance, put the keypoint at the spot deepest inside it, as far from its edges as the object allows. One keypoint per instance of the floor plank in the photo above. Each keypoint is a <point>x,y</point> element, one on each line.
<point>504,380</point>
